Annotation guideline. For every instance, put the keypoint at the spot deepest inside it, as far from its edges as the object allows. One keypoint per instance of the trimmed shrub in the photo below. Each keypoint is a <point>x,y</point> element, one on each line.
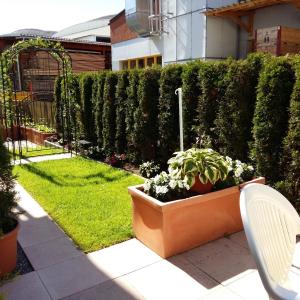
<point>291,154</point>
<point>234,118</point>
<point>131,106</point>
<point>98,105</point>
<point>212,87</point>
<point>109,113</point>
<point>168,119</point>
<point>191,91</point>
<point>7,192</point>
<point>121,98</point>
<point>271,115</point>
<point>76,122</point>
<point>86,88</point>
<point>145,133</point>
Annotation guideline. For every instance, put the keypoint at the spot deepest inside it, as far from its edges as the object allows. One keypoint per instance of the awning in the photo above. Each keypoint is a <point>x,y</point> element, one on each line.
<point>246,7</point>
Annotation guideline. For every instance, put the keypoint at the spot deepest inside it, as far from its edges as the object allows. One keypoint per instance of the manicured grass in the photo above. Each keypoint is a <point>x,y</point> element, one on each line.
<point>89,200</point>
<point>36,152</point>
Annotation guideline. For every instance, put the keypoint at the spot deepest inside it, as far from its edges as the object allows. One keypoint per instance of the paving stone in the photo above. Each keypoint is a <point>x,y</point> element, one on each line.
<point>223,260</point>
<point>35,231</point>
<point>71,276</point>
<point>240,238</point>
<point>123,258</point>
<point>222,293</point>
<point>51,252</point>
<point>25,287</point>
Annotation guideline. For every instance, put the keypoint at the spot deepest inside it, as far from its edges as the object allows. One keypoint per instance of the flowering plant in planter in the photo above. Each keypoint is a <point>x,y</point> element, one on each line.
<point>149,169</point>
<point>205,165</point>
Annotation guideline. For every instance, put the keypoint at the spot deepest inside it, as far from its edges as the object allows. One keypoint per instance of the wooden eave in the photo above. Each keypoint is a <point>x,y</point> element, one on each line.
<point>246,7</point>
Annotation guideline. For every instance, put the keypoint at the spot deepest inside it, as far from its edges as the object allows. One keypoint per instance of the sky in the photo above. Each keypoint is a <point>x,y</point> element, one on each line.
<point>53,14</point>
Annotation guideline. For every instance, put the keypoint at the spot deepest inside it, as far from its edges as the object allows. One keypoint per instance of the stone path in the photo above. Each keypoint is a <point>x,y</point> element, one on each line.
<point>44,158</point>
<point>223,269</point>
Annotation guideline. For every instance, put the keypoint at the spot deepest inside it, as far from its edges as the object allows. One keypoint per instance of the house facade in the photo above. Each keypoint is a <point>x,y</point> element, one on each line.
<point>172,31</point>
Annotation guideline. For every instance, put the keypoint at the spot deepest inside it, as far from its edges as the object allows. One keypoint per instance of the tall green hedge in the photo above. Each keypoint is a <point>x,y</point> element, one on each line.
<point>168,118</point>
<point>235,113</point>
<point>109,113</point>
<point>76,126</point>
<point>121,98</point>
<point>191,92</point>
<point>211,75</point>
<point>98,106</point>
<point>291,157</point>
<point>86,88</point>
<point>131,106</point>
<point>145,133</point>
<point>271,116</point>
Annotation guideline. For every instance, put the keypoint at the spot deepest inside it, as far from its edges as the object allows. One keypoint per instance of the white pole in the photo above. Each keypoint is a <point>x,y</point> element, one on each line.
<point>179,93</point>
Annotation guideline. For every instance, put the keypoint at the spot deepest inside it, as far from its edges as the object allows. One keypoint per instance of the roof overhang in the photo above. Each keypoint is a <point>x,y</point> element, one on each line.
<point>247,7</point>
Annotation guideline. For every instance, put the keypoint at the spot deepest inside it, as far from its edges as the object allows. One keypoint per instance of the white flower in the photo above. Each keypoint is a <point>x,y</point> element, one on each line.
<point>172,184</point>
<point>147,186</point>
<point>161,189</point>
<point>250,168</point>
<point>238,171</point>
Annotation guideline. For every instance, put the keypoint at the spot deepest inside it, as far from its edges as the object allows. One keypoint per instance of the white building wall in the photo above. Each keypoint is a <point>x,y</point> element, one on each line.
<point>190,35</point>
<point>284,15</point>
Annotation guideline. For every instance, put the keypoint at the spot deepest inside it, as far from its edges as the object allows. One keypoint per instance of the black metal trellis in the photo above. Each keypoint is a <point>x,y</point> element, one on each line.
<point>27,102</point>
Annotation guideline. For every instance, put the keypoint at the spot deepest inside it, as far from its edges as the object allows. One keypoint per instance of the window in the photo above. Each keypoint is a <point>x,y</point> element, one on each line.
<point>141,62</point>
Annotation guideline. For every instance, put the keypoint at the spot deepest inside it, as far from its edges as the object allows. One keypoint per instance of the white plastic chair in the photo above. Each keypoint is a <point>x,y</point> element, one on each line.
<point>271,226</point>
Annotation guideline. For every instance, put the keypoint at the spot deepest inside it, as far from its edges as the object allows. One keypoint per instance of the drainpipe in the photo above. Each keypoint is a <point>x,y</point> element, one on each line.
<point>238,39</point>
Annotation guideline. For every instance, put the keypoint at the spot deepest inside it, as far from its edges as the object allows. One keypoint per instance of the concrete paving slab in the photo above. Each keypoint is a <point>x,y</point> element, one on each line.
<point>36,231</point>
<point>249,287</point>
<point>51,252</point>
<point>222,293</point>
<point>25,287</point>
<point>240,239</point>
<point>71,276</point>
<point>164,280</point>
<point>123,258</point>
<point>44,158</point>
<point>109,290</point>
<point>223,260</point>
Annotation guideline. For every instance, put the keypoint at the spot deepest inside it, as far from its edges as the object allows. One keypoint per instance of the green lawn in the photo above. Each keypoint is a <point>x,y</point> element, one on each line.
<point>39,151</point>
<point>89,200</point>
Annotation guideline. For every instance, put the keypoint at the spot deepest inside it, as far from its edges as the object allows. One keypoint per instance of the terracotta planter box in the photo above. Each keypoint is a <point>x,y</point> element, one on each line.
<point>28,133</point>
<point>174,227</point>
<point>8,251</point>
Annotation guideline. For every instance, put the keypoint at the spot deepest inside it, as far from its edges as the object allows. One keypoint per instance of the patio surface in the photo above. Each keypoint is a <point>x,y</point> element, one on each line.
<point>223,269</point>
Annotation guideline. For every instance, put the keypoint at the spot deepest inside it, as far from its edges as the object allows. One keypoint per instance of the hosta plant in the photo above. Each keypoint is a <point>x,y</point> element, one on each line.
<point>208,164</point>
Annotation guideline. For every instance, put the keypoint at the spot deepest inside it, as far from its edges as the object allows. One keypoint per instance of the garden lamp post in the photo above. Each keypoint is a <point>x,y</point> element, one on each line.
<point>179,93</point>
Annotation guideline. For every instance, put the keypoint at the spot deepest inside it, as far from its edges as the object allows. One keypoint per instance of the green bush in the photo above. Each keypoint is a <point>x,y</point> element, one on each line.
<point>86,88</point>
<point>190,93</point>
<point>121,99</point>
<point>7,192</point>
<point>145,133</point>
<point>131,106</point>
<point>271,116</point>
<point>168,119</point>
<point>235,114</point>
<point>98,105</point>
<point>109,113</point>
<point>212,87</point>
<point>76,122</point>
<point>291,154</point>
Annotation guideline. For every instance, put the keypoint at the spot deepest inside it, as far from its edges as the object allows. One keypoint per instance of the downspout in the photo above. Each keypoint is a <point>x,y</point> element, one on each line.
<point>238,39</point>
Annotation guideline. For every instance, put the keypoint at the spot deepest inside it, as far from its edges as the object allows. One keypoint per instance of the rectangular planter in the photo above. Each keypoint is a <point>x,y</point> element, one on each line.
<point>174,227</point>
<point>28,133</point>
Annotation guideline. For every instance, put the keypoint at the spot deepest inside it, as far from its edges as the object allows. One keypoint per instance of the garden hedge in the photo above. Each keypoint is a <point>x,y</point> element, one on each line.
<point>191,91</point>
<point>271,116</point>
<point>168,111</point>
<point>121,98</point>
<point>109,113</point>
<point>235,112</point>
<point>57,99</point>
<point>131,106</point>
<point>145,132</point>
<point>212,87</point>
<point>98,105</point>
<point>86,88</point>
<point>291,157</point>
